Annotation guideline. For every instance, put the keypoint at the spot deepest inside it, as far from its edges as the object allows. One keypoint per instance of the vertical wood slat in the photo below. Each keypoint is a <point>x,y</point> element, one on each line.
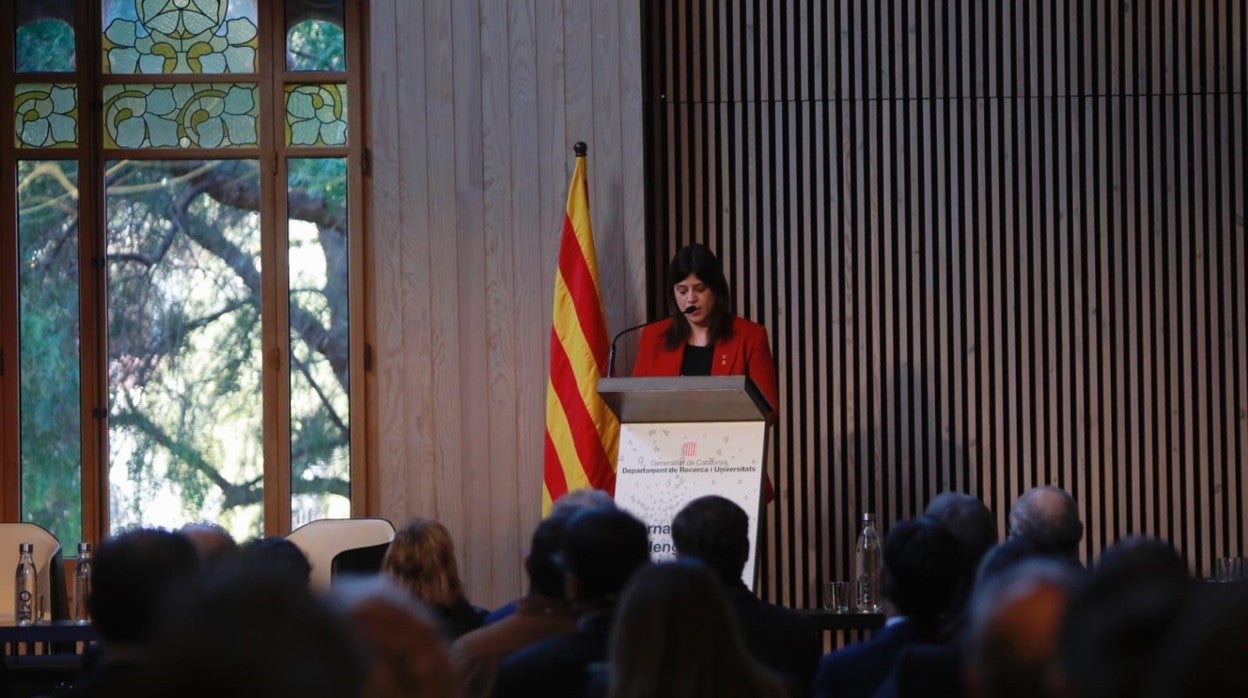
<point>995,245</point>
<point>474,107</point>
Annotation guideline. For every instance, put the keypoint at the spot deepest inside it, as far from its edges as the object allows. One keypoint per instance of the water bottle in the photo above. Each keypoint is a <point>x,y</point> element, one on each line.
<point>25,587</point>
<point>82,583</point>
<point>867,566</point>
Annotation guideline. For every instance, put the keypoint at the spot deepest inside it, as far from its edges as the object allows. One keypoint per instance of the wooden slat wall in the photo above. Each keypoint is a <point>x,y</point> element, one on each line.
<point>997,244</point>
<point>473,109</point>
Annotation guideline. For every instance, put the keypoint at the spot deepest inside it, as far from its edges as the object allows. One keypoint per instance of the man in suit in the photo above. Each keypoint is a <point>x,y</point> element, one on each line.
<point>715,531</point>
<point>919,582</point>
<point>601,549</point>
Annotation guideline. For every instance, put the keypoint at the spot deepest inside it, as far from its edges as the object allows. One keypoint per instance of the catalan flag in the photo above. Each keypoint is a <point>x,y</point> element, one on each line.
<point>582,433</point>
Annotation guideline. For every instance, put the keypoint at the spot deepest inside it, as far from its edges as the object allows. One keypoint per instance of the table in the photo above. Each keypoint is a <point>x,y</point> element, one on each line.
<point>54,637</point>
<point>831,620</point>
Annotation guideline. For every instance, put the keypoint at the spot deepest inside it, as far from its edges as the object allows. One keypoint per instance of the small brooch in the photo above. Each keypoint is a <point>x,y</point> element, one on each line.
<point>723,359</point>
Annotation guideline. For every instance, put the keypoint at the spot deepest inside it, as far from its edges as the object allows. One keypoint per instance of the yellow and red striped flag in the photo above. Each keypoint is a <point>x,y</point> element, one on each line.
<point>582,433</point>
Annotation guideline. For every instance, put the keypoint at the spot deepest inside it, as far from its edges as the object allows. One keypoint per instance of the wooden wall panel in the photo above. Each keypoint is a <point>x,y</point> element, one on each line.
<point>996,244</point>
<point>474,107</point>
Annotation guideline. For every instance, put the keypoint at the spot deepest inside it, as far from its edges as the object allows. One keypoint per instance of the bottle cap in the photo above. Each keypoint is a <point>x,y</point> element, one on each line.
<point>868,516</point>
<point>84,547</point>
<point>25,548</point>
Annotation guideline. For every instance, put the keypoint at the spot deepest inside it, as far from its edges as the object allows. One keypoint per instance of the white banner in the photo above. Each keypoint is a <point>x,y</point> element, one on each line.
<point>663,466</point>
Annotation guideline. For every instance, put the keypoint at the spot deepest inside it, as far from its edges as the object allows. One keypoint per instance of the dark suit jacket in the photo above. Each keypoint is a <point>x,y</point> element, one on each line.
<point>857,671</point>
<point>926,671</point>
<point>745,353</point>
<point>556,667</point>
<point>784,641</point>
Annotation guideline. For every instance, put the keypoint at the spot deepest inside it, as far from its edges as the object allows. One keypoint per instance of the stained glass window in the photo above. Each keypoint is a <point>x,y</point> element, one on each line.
<point>314,35</point>
<point>44,36</point>
<point>45,116</point>
<point>161,37</point>
<point>316,114</point>
<point>195,115</point>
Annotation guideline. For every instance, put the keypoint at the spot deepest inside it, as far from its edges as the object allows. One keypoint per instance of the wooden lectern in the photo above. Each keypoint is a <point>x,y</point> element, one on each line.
<point>687,437</point>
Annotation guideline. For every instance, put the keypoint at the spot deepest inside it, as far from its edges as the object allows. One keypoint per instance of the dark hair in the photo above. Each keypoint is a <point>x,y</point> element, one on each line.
<point>545,577</point>
<point>715,530</point>
<point>134,573</point>
<point>698,260</point>
<point>278,554</point>
<point>602,547</point>
<point>919,576</point>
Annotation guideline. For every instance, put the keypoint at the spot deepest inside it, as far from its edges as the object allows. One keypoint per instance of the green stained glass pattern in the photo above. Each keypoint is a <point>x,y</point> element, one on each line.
<point>45,45</point>
<point>316,114</point>
<point>181,115</point>
<point>45,116</point>
<point>161,37</point>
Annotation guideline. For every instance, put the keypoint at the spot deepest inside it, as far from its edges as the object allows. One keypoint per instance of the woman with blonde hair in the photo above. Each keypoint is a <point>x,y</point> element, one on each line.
<point>675,635</point>
<point>422,558</point>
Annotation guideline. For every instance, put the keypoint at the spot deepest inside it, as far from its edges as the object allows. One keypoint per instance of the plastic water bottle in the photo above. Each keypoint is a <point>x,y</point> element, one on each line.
<point>867,566</point>
<point>25,585</point>
<point>82,583</point>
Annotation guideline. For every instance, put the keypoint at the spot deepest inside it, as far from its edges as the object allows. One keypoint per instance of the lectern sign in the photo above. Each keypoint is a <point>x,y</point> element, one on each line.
<point>664,466</point>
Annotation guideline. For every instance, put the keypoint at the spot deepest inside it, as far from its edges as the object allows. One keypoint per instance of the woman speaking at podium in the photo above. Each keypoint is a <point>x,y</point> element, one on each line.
<point>704,337</point>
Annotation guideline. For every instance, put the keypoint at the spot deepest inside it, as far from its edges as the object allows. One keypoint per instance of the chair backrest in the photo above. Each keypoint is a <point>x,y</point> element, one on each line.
<point>322,539</point>
<point>358,561</point>
<point>48,566</point>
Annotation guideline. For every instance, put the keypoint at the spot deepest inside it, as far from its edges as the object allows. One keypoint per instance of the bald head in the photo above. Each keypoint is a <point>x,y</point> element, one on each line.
<point>1049,517</point>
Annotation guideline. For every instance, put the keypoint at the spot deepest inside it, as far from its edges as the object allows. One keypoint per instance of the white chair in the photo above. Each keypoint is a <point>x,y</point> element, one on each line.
<point>322,539</point>
<point>48,567</point>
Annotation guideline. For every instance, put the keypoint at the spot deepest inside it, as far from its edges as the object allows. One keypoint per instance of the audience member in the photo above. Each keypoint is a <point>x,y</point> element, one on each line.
<point>541,614</point>
<point>674,635</point>
<point>278,553</point>
<point>1205,654</point>
<point>212,542</point>
<point>1048,517</point>
<point>579,500</point>
<point>970,521</point>
<point>919,583</point>
<point>405,653</point>
<point>601,549</point>
<point>564,507</point>
<point>256,633</point>
<point>135,572</point>
<point>1118,619</point>
<point>715,531</point>
<point>422,558</point>
<point>1012,636</point>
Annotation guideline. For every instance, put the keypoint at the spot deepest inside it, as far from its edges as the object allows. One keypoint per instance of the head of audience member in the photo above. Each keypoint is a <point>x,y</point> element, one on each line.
<point>601,549</point>
<point>135,572</point>
<point>542,562</point>
<point>402,642</point>
<point>1118,619</point>
<point>278,553</point>
<point>1204,654</point>
<point>919,582</point>
<point>714,530</point>
<point>675,635</point>
<point>576,500</point>
<point>422,558</point>
<point>212,542</point>
<point>1015,617</point>
<point>968,519</point>
<point>1049,517</point>
<point>254,632</point>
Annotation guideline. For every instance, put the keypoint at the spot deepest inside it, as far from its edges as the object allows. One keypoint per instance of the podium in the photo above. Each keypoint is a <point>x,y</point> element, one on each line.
<point>683,438</point>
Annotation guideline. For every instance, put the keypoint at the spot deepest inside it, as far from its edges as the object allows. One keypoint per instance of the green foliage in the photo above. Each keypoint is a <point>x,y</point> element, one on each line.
<point>45,45</point>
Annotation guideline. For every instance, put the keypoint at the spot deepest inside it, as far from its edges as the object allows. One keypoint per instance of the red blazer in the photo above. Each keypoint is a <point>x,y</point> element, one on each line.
<point>746,353</point>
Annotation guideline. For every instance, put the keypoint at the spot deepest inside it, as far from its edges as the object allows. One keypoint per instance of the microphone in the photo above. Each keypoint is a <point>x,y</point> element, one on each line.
<point>634,328</point>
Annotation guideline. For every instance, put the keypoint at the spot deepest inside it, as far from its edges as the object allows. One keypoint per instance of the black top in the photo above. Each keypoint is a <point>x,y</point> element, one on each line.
<point>697,360</point>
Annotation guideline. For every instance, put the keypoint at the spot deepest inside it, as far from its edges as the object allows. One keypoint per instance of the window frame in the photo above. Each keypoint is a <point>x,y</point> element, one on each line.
<point>273,155</point>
